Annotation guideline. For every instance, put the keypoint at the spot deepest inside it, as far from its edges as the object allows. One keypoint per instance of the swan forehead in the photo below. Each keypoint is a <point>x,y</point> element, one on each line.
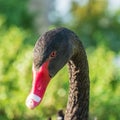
<point>51,41</point>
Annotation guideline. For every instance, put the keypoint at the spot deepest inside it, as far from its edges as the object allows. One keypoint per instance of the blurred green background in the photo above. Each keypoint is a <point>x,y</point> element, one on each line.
<point>96,22</point>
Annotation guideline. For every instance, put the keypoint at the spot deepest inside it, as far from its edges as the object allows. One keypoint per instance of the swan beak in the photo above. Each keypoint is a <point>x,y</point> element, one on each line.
<point>32,101</point>
<point>41,79</point>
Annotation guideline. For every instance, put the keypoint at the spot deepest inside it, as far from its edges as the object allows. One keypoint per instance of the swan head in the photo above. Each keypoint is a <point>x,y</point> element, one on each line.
<point>51,53</point>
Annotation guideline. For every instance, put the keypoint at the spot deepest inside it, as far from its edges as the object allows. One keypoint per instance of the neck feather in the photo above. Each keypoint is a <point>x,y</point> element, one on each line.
<point>78,100</point>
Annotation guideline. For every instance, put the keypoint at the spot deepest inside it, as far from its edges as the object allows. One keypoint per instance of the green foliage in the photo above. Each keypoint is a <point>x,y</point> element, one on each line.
<point>100,33</point>
<point>14,61</point>
<point>94,24</point>
<point>16,78</point>
<point>105,85</point>
<point>16,13</point>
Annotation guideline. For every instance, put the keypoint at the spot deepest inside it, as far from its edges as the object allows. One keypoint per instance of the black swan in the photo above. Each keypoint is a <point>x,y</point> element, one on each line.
<point>51,52</point>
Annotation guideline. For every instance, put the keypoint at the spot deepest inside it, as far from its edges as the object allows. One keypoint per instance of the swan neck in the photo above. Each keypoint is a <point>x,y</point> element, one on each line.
<point>78,100</point>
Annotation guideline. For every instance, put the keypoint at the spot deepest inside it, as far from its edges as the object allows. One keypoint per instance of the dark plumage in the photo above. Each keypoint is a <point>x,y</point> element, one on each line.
<point>69,49</point>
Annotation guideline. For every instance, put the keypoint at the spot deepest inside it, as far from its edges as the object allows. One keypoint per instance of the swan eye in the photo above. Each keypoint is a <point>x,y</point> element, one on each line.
<point>53,54</point>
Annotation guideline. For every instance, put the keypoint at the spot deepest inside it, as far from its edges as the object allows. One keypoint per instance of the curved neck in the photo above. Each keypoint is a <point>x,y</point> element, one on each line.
<point>78,100</point>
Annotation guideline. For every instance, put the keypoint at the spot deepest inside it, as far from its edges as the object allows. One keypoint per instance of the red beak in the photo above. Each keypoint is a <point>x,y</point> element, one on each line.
<point>41,79</point>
